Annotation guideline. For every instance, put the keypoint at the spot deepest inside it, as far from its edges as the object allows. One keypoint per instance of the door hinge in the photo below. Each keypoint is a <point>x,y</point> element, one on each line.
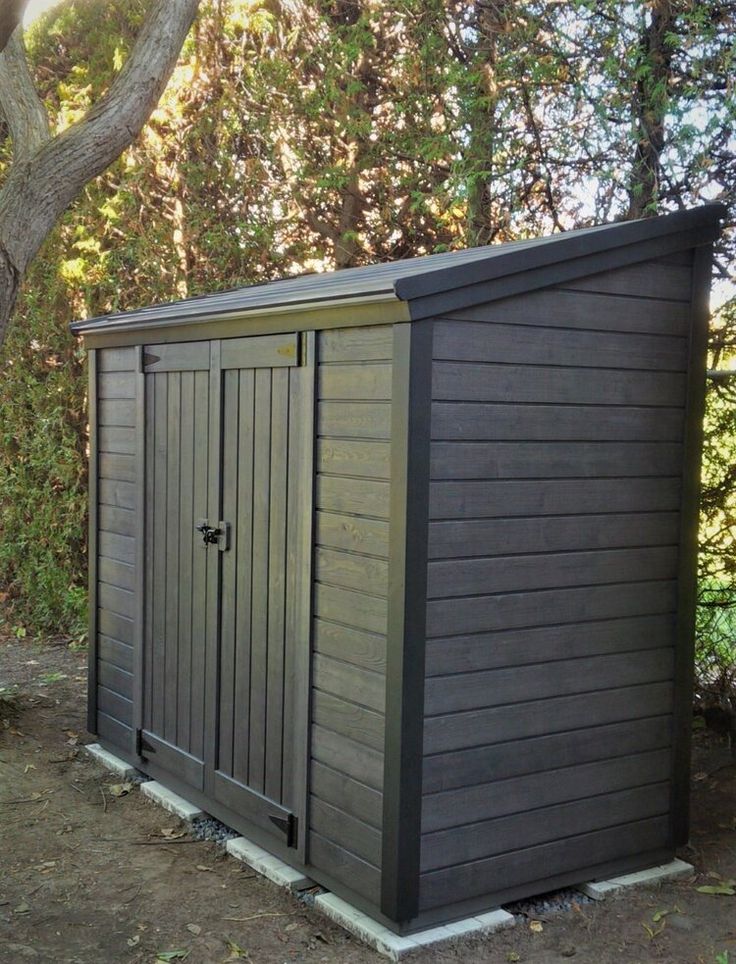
<point>142,746</point>
<point>287,825</point>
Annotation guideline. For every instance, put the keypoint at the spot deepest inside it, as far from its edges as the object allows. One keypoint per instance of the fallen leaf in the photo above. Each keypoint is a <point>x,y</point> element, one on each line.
<point>292,927</point>
<point>120,789</point>
<point>132,941</point>
<point>22,908</point>
<point>236,951</point>
<point>172,955</point>
<point>194,929</point>
<point>653,931</point>
<point>656,918</point>
<point>512,957</point>
<point>28,766</point>
<point>171,834</point>
<point>717,890</point>
<point>202,867</point>
<point>536,926</point>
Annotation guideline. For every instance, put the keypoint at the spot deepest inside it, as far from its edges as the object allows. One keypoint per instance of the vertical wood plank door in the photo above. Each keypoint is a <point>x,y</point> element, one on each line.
<point>229,429</point>
<point>175,640</point>
<point>266,498</point>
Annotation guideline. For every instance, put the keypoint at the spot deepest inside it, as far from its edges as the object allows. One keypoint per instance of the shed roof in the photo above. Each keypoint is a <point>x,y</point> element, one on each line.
<point>413,278</point>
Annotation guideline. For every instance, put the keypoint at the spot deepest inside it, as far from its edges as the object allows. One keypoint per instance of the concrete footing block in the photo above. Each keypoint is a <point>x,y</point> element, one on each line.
<point>600,889</point>
<point>170,801</point>
<point>111,762</point>
<point>265,863</point>
<point>397,946</point>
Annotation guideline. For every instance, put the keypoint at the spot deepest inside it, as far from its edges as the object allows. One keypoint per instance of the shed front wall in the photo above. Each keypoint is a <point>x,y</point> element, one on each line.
<point>350,607</point>
<point>557,429</point>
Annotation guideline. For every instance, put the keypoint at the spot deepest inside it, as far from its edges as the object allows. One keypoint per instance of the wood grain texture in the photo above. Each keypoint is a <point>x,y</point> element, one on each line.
<point>522,866</point>
<point>479,421</point>
<point>464,768</point>
<point>513,344</point>
<point>550,570</point>
<point>468,381</point>
<point>492,537</point>
<point>352,495</point>
<point>482,498</point>
<point>583,310</point>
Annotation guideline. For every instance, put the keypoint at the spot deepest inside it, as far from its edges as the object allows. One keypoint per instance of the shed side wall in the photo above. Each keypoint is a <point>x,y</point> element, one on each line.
<point>116,542</point>
<point>350,605</point>
<point>556,465</point>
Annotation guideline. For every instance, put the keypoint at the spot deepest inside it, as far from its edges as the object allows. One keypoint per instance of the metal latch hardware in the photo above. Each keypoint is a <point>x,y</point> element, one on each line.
<point>214,536</point>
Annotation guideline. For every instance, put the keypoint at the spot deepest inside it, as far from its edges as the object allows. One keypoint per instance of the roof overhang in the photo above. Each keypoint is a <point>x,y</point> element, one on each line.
<point>426,293</point>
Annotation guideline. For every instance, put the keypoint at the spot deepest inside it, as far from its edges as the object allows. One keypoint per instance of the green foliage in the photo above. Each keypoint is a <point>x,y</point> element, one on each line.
<point>43,506</point>
<point>716,621</point>
<point>304,136</point>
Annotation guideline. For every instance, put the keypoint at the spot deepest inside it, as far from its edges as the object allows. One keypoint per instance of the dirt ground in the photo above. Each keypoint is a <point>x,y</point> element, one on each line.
<point>86,876</point>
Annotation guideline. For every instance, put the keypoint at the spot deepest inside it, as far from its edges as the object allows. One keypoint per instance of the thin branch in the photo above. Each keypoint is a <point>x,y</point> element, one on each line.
<point>51,178</point>
<point>21,106</point>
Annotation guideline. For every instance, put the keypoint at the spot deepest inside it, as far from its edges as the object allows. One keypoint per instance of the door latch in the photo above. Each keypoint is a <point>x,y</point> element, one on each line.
<point>214,536</point>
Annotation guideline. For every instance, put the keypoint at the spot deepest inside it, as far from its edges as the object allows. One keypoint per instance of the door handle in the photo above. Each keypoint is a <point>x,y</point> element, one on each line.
<point>212,536</point>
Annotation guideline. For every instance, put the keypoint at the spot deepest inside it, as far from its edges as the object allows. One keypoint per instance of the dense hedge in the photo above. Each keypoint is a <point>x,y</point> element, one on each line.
<point>250,169</point>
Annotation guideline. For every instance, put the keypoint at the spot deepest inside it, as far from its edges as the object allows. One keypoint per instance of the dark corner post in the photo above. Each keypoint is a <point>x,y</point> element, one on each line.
<point>687,575</point>
<point>140,548</point>
<point>92,545</point>
<point>405,645</point>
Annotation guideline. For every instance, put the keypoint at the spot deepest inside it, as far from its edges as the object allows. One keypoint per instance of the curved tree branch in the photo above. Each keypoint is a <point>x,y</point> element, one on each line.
<point>24,113</point>
<point>40,187</point>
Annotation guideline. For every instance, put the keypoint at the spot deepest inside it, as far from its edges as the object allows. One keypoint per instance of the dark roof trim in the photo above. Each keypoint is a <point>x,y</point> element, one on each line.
<point>561,247</point>
<point>425,284</point>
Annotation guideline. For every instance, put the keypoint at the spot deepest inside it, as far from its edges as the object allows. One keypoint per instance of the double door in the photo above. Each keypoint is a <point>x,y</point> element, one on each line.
<point>228,488</point>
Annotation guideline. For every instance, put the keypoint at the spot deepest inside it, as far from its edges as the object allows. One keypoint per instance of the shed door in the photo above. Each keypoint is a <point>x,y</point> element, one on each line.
<point>226,673</point>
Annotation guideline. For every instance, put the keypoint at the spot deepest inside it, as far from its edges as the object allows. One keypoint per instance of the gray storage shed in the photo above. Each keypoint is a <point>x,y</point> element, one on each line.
<point>392,569</point>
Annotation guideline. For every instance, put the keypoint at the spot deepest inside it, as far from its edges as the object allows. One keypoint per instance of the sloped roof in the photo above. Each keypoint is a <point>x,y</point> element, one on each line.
<point>410,278</point>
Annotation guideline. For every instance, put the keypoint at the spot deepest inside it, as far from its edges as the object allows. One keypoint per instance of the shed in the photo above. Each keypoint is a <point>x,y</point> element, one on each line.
<point>393,569</point>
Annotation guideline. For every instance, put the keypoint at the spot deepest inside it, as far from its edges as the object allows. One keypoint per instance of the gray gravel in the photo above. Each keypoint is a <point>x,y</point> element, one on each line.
<point>207,828</point>
<point>554,902</point>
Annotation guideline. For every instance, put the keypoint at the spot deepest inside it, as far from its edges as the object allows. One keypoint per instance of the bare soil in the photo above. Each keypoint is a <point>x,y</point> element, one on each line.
<point>87,876</point>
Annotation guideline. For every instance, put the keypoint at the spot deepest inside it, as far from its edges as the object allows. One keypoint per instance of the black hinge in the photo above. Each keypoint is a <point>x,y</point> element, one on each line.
<point>287,825</point>
<point>142,746</point>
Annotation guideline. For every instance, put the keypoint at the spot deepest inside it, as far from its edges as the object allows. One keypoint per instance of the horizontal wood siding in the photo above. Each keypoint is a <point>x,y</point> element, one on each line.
<point>118,530</point>
<point>350,605</point>
<point>556,465</point>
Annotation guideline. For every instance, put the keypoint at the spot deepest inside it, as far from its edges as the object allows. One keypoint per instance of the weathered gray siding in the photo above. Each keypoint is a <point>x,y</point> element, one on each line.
<point>556,463</point>
<point>350,604</point>
<point>116,542</point>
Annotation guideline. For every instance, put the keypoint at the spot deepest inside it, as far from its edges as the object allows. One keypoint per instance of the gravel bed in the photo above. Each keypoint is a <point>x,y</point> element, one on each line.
<point>554,902</point>
<point>207,828</point>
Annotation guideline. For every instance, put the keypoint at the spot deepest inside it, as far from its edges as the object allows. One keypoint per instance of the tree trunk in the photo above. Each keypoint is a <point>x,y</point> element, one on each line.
<point>48,173</point>
<point>9,284</point>
<point>490,18</point>
<point>654,73</point>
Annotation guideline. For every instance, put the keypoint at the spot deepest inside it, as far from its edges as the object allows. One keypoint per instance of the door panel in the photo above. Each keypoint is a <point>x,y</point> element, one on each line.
<point>177,434</point>
<point>226,645</point>
<point>262,416</point>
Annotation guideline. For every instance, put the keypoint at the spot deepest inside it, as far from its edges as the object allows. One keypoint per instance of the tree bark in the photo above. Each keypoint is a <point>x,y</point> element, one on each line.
<point>490,17</point>
<point>654,69</point>
<point>44,179</point>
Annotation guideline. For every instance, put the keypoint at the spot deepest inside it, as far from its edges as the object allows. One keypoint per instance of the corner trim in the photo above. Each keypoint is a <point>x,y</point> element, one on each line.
<point>142,511</point>
<point>688,551</point>
<point>405,643</point>
<point>92,512</point>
